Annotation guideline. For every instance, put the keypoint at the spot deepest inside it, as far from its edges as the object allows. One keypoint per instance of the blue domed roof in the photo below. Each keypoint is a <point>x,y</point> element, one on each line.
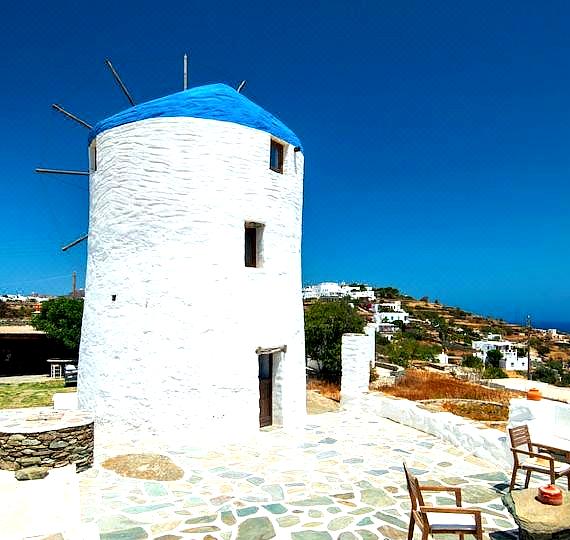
<point>213,102</point>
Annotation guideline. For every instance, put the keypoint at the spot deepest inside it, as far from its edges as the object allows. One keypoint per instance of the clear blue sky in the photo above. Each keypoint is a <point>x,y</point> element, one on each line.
<point>436,134</point>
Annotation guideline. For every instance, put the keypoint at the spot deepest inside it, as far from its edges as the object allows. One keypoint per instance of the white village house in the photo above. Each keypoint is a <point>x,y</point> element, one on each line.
<point>330,289</point>
<point>202,186</point>
<point>388,312</point>
<point>510,361</point>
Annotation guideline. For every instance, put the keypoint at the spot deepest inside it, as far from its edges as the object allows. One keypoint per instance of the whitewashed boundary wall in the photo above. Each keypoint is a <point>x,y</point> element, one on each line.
<point>370,331</point>
<point>548,421</point>
<point>485,443</point>
<point>355,354</point>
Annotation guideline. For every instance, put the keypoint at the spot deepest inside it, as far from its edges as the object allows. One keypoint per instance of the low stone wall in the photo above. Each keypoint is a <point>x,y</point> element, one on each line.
<point>548,421</point>
<point>62,439</point>
<point>486,443</point>
<point>355,354</point>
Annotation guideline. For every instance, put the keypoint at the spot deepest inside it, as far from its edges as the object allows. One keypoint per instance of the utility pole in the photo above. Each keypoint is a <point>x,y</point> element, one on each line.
<point>529,329</point>
<point>74,284</point>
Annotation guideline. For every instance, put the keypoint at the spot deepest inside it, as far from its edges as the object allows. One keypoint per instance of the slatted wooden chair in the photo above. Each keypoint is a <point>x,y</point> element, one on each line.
<point>528,457</point>
<point>440,519</point>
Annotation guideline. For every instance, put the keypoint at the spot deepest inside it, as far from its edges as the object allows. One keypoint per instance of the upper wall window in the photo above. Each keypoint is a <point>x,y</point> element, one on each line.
<point>253,244</point>
<point>93,157</point>
<point>276,156</point>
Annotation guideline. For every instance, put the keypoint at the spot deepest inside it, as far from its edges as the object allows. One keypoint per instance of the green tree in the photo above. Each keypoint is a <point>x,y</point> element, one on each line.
<point>387,292</point>
<point>325,323</point>
<point>442,327</point>
<point>60,318</point>
<point>405,350</point>
<point>494,358</point>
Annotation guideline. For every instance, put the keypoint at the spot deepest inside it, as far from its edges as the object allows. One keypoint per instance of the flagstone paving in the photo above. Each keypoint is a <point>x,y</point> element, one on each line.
<point>340,478</point>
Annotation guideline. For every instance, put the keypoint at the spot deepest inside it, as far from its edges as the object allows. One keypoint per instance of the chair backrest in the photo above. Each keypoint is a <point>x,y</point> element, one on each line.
<point>416,497</point>
<point>520,436</point>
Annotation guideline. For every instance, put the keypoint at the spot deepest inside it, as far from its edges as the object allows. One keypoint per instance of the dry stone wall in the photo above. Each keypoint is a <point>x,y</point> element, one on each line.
<point>49,449</point>
<point>42,437</point>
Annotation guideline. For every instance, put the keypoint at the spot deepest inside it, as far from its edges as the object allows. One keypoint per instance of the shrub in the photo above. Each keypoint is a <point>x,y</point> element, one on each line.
<point>492,372</point>
<point>472,361</point>
<point>546,374</point>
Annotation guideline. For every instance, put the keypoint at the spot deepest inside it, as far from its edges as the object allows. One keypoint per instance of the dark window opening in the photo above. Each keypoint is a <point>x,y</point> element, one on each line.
<point>276,156</point>
<point>253,244</point>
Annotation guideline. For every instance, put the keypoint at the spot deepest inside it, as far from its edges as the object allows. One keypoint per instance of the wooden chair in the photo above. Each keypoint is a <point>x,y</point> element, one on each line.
<point>440,519</point>
<point>528,457</point>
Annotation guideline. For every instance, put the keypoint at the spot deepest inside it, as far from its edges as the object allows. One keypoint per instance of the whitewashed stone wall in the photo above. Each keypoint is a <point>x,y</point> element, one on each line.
<point>548,421</point>
<point>486,443</point>
<point>355,354</point>
<point>370,331</point>
<point>174,352</point>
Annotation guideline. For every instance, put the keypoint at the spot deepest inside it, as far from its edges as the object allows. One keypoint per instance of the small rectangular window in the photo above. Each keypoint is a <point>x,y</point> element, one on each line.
<point>276,156</point>
<point>253,244</point>
<point>92,157</point>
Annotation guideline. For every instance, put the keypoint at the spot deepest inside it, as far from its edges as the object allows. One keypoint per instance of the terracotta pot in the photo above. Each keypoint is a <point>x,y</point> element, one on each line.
<point>550,495</point>
<point>534,394</point>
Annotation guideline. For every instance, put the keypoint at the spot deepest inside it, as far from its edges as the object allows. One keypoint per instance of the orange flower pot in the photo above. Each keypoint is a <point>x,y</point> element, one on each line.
<point>550,495</point>
<point>534,394</point>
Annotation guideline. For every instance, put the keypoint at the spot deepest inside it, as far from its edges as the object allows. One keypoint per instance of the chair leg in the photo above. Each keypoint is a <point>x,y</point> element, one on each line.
<point>514,479</point>
<point>461,536</point>
<point>411,528</point>
<point>527,481</point>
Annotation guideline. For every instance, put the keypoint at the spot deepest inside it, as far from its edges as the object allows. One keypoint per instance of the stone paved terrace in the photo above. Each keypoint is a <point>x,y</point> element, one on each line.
<point>339,478</point>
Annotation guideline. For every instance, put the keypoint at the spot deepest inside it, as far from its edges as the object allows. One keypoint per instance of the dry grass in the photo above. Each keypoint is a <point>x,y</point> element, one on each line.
<point>327,389</point>
<point>478,411</point>
<point>417,385</point>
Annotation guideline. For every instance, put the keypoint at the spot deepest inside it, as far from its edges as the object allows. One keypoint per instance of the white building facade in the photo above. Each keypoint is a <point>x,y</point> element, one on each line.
<point>199,187</point>
<point>510,361</point>
<point>388,312</point>
<point>330,289</point>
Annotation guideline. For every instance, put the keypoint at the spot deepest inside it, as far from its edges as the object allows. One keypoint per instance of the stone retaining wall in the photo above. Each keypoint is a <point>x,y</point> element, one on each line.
<point>55,448</point>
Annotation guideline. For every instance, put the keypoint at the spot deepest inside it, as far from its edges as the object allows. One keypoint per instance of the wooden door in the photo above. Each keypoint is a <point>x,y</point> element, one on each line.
<point>265,389</point>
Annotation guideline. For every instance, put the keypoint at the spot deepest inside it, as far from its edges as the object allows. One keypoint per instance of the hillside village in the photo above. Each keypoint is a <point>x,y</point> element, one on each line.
<point>411,331</point>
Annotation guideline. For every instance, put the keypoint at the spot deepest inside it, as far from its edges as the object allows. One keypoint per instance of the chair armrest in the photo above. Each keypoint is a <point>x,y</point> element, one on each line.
<point>450,510</point>
<point>448,489</point>
<point>548,457</point>
<point>550,448</point>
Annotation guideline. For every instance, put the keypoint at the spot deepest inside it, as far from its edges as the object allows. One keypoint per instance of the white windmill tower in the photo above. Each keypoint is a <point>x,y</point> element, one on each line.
<point>193,318</point>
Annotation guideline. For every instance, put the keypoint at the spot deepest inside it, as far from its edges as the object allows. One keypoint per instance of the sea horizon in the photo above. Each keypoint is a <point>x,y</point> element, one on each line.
<point>563,326</point>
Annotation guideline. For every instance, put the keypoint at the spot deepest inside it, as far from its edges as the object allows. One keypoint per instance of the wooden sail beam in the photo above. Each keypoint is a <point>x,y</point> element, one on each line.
<point>60,109</point>
<point>120,82</point>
